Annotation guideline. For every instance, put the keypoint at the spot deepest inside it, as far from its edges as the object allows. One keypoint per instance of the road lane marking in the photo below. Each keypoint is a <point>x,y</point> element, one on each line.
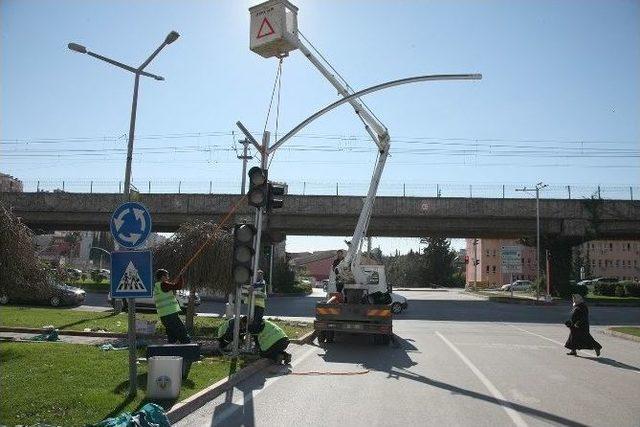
<point>537,335</point>
<point>515,416</point>
<point>241,401</point>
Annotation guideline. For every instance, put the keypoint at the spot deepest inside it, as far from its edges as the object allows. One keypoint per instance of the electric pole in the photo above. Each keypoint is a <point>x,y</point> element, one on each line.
<point>245,157</point>
<point>537,189</point>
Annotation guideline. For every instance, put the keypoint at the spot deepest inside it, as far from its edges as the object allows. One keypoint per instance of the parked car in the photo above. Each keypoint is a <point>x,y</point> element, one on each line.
<point>74,273</point>
<point>58,294</point>
<point>100,274</point>
<point>604,280</point>
<point>518,285</point>
<point>182,296</point>
<point>588,283</point>
<point>398,303</point>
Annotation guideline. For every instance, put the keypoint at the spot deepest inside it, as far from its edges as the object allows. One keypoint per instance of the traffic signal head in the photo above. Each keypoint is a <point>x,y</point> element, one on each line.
<point>243,252</point>
<point>258,187</point>
<point>276,194</point>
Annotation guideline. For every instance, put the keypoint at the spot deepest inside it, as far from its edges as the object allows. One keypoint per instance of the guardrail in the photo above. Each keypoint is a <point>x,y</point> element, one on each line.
<point>492,191</point>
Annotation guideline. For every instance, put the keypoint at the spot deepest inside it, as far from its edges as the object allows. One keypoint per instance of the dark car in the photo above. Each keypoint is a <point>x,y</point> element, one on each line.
<point>56,294</point>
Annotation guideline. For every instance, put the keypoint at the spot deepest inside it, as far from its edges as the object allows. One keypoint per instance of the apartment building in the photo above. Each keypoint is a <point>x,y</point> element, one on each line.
<point>489,270</point>
<point>611,258</point>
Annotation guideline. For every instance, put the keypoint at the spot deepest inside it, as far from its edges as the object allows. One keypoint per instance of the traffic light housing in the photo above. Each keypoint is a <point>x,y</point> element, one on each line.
<point>243,253</point>
<point>275,196</point>
<point>257,195</point>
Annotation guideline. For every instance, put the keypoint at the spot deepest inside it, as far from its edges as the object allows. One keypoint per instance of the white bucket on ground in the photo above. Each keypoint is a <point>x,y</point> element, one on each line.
<point>164,377</point>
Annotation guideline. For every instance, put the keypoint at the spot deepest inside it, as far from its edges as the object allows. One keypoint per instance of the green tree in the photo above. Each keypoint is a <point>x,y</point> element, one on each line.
<point>438,261</point>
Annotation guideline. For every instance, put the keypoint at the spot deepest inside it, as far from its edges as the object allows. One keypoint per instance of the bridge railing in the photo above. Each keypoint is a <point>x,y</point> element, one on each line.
<point>492,191</point>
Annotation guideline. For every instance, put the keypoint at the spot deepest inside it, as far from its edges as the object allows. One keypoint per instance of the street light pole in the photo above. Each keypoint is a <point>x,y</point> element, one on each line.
<point>170,38</point>
<point>537,189</point>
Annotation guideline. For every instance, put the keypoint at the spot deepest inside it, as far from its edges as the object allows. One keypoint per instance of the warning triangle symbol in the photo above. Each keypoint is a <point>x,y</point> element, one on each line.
<point>265,29</point>
<point>131,281</point>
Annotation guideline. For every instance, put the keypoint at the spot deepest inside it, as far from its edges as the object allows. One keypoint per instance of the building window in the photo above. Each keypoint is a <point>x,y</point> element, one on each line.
<point>487,268</point>
<point>522,261</point>
<point>593,246</point>
<point>617,263</point>
<point>593,263</point>
<point>635,262</point>
<point>493,269</point>
<point>528,260</point>
<point>488,252</point>
<point>494,253</point>
<point>599,263</point>
<point>610,246</point>
<point>628,246</point>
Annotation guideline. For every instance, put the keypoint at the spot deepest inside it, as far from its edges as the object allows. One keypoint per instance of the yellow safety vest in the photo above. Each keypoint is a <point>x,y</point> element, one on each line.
<point>166,302</point>
<point>269,335</point>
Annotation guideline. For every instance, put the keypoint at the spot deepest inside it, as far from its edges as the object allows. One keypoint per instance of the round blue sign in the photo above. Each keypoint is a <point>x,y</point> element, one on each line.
<point>130,224</point>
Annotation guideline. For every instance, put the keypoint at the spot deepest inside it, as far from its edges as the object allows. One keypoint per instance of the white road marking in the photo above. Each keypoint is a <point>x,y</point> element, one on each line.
<point>537,335</point>
<point>515,416</point>
<point>241,401</point>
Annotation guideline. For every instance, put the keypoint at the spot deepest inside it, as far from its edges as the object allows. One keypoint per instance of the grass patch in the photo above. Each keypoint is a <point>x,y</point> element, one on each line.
<point>631,330</point>
<point>76,320</point>
<point>72,385</point>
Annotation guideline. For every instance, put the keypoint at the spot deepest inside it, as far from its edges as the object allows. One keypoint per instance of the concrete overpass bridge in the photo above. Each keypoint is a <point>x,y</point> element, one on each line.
<point>337,215</point>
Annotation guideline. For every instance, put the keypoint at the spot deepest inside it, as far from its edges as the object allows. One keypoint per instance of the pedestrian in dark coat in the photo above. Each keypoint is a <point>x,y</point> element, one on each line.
<point>579,337</point>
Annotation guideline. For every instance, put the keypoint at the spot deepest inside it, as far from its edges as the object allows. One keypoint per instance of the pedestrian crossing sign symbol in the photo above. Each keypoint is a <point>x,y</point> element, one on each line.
<point>131,275</point>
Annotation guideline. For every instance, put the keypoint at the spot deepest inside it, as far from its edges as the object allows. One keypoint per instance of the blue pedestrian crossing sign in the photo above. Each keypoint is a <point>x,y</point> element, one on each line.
<point>130,224</point>
<point>131,275</point>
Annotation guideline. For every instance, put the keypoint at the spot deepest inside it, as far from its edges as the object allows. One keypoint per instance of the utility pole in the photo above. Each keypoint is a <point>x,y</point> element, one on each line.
<point>475,264</point>
<point>537,189</point>
<point>244,159</point>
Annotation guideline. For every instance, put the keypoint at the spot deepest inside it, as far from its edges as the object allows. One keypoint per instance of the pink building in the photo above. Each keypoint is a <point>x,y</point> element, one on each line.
<point>489,270</point>
<point>616,258</point>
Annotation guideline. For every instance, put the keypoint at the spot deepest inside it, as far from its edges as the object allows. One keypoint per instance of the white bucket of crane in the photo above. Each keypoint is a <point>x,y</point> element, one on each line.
<point>274,28</point>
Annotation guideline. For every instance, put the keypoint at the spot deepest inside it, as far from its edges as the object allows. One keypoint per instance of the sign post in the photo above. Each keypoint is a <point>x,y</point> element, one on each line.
<point>131,275</point>
<point>511,257</point>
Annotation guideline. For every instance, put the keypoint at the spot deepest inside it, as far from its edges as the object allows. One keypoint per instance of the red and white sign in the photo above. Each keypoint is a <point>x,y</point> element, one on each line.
<point>265,29</point>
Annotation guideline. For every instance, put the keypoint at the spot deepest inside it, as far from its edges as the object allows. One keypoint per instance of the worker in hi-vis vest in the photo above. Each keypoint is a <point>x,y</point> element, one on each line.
<point>271,340</point>
<point>168,308</point>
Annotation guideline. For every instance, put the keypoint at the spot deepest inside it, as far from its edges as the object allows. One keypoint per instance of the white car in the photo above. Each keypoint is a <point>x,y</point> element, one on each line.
<point>398,303</point>
<point>182,296</point>
<point>518,285</point>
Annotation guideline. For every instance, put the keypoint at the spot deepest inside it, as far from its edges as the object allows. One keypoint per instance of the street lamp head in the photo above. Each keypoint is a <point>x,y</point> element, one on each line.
<point>77,47</point>
<point>159,78</point>
<point>171,37</point>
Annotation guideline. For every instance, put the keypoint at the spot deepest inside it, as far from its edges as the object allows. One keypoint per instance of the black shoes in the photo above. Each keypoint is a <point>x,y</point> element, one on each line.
<point>572,353</point>
<point>598,352</point>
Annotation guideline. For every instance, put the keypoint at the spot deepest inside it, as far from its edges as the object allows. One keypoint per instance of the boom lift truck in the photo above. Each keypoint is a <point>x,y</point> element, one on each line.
<point>363,305</point>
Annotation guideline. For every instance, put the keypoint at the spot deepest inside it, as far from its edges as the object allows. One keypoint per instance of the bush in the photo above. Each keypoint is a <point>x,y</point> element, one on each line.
<point>607,289</point>
<point>284,279</point>
<point>631,289</point>
<point>619,292</point>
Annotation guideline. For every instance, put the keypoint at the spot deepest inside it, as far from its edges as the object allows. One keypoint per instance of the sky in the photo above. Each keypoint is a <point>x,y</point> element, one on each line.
<point>559,100</point>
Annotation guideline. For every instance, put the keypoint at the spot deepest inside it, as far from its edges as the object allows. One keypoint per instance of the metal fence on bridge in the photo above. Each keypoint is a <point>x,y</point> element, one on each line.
<point>492,191</point>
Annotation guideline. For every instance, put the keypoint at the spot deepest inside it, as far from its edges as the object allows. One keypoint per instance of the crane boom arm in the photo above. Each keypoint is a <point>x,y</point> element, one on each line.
<point>380,136</point>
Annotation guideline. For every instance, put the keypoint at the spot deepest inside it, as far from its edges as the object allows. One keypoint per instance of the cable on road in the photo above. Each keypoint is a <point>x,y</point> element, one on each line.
<point>329,373</point>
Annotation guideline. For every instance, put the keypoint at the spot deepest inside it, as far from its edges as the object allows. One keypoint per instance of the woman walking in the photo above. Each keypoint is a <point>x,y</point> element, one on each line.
<point>579,337</point>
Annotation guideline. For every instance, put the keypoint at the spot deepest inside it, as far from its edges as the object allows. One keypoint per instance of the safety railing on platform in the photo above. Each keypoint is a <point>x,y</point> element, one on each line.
<point>492,191</point>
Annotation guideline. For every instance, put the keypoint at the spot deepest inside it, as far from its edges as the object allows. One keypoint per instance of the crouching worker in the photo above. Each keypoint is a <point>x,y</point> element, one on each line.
<point>225,331</point>
<point>168,308</point>
<point>272,342</point>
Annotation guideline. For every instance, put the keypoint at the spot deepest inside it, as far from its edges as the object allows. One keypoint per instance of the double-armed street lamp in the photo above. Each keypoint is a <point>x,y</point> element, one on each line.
<point>170,38</point>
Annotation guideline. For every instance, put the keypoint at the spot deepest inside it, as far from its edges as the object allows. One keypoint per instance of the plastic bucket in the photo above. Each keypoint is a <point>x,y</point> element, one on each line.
<point>164,377</point>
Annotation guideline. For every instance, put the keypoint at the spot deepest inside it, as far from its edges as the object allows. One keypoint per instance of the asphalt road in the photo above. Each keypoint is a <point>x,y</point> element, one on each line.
<point>458,360</point>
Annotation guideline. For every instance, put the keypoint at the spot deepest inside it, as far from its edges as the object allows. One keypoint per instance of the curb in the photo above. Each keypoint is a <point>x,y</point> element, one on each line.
<point>622,335</point>
<point>507,300</point>
<point>192,403</point>
<point>425,289</point>
<point>305,339</point>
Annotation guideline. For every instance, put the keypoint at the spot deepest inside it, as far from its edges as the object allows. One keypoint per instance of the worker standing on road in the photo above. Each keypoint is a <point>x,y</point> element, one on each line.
<point>260,296</point>
<point>168,308</point>
<point>272,342</point>
<point>579,337</point>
